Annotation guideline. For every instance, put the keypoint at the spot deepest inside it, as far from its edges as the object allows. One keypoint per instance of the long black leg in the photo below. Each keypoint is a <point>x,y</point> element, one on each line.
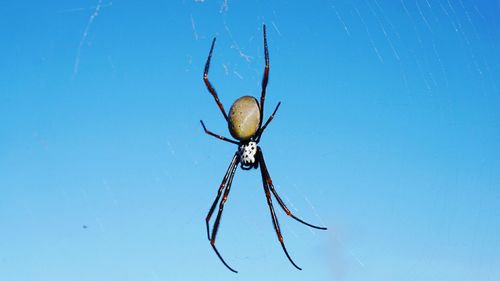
<point>261,130</point>
<point>221,208</point>
<point>271,208</point>
<point>207,82</point>
<point>223,184</point>
<point>217,136</point>
<point>265,79</point>
<point>273,190</point>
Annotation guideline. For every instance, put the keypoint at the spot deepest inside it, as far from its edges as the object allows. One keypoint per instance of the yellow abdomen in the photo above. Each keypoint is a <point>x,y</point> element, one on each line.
<point>244,118</point>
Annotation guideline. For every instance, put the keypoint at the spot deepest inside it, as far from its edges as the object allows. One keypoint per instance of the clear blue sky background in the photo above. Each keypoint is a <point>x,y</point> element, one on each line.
<point>388,134</point>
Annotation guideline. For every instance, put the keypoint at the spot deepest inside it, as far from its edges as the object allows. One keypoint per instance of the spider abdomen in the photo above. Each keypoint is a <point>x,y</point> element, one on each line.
<point>244,118</point>
<point>247,153</point>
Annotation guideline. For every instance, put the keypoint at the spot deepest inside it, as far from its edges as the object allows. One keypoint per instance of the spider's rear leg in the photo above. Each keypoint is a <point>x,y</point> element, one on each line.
<point>265,78</point>
<point>209,86</point>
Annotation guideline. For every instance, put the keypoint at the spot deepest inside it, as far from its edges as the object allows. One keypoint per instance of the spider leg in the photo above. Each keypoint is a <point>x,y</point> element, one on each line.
<point>209,85</point>
<point>230,175</point>
<point>219,192</point>
<point>265,79</point>
<point>261,130</point>
<point>273,190</point>
<point>215,135</point>
<point>263,172</point>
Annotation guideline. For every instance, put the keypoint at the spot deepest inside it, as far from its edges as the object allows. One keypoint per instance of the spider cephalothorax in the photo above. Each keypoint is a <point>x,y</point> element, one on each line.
<point>245,125</point>
<point>248,152</point>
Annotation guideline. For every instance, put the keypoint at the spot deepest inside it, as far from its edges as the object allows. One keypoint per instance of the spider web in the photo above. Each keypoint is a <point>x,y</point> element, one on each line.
<point>387,134</point>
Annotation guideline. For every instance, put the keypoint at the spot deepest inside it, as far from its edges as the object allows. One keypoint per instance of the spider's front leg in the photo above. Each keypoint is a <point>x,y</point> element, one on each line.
<point>265,183</point>
<point>223,185</point>
<point>226,187</point>
<point>270,184</point>
<point>268,188</point>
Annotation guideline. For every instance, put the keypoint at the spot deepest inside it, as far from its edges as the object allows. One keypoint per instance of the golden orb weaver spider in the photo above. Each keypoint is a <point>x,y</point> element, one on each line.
<point>245,125</point>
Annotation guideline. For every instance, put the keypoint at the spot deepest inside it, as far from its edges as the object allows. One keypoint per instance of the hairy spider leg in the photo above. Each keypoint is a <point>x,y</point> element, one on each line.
<point>217,136</point>
<point>271,208</point>
<point>221,208</point>
<point>219,192</point>
<point>268,188</point>
<point>261,130</point>
<point>265,79</point>
<point>280,201</point>
<point>207,82</point>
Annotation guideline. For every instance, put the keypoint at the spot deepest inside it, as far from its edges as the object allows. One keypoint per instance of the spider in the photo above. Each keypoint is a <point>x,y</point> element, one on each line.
<point>245,125</point>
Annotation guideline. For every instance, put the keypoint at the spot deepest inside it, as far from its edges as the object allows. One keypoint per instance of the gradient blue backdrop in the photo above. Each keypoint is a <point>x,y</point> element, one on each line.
<point>389,134</point>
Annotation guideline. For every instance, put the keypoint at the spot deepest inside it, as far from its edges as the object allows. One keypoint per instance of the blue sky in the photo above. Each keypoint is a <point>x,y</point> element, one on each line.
<point>388,134</point>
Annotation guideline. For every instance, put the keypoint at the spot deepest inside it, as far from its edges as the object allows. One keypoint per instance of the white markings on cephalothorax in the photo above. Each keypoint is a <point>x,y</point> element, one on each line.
<point>247,153</point>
